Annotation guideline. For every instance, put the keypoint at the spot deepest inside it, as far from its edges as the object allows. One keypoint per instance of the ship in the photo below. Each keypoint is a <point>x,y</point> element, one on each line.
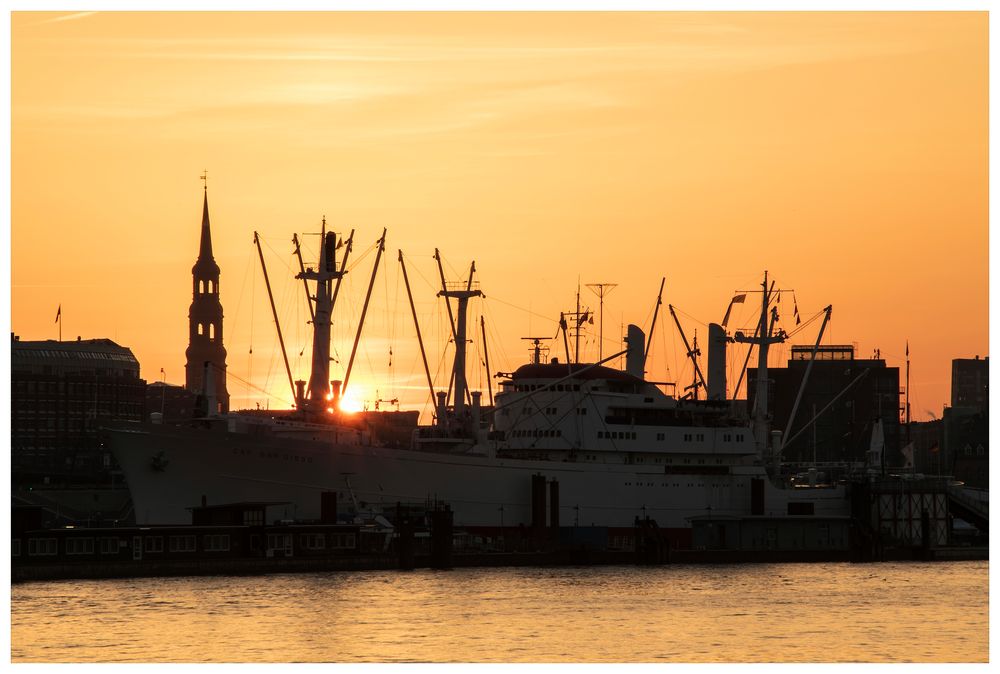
<point>615,447</point>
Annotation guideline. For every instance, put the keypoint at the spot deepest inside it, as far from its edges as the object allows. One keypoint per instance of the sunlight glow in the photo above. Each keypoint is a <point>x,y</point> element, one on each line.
<point>351,404</point>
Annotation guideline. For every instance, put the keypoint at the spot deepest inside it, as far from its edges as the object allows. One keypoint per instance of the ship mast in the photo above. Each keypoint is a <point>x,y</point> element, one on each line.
<point>462,294</point>
<point>319,378</point>
<point>763,340</point>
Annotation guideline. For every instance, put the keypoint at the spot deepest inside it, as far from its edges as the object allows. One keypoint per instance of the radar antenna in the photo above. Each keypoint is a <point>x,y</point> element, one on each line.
<point>536,351</point>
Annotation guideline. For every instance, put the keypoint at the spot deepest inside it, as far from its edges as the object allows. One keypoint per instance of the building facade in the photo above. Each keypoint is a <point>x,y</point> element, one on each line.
<point>966,436</point>
<point>61,392</point>
<point>970,382</point>
<point>846,394</point>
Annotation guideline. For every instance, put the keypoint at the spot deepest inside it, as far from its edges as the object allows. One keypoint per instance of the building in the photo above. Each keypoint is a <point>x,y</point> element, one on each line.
<point>205,353</point>
<point>926,439</point>
<point>965,439</point>
<point>61,392</point>
<point>970,382</point>
<point>175,403</point>
<point>846,394</point>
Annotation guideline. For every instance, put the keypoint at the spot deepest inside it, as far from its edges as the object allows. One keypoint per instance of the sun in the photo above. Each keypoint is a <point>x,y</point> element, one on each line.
<point>350,404</point>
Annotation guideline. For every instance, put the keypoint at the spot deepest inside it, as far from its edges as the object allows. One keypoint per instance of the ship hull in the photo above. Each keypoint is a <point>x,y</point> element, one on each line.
<point>170,470</point>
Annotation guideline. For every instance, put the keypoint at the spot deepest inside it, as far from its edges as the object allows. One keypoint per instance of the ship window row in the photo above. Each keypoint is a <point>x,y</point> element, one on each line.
<point>730,437</point>
<point>558,387</point>
<point>616,435</point>
<point>694,437</point>
<point>537,433</point>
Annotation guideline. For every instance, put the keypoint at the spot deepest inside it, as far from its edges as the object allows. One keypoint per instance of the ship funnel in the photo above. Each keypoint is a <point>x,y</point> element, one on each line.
<point>636,341</point>
<point>716,362</point>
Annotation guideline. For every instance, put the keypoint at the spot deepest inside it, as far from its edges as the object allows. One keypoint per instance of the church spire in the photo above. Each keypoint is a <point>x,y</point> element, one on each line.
<point>205,252</point>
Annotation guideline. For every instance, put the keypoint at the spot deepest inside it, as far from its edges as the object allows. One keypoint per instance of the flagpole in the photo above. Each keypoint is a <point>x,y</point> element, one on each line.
<point>913,463</point>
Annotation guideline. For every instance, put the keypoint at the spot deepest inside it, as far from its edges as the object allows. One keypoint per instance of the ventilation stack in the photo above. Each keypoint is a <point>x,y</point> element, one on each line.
<point>636,355</point>
<point>716,362</point>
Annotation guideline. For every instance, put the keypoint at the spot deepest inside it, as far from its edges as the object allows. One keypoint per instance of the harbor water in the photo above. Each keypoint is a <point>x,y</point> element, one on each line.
<point>884,612</point>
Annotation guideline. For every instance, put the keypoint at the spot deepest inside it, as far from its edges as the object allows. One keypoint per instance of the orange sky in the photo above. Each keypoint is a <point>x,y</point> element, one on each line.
<point>846,153</point>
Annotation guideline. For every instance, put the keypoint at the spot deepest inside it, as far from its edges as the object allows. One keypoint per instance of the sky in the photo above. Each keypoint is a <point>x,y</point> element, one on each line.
<point>844,153</point>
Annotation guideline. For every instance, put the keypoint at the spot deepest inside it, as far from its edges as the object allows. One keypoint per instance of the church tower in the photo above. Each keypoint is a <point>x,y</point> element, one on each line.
<point>205,323</point>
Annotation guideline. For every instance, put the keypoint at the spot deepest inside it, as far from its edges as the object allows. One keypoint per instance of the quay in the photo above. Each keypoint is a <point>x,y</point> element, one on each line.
<point>239,539</point>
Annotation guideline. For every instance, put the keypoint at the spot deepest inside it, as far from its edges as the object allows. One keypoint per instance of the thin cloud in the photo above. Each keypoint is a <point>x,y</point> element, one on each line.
<point>66,17</point>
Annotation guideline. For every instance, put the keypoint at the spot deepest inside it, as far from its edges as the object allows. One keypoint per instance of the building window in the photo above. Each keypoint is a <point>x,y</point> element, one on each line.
<point>79,546</point>
<point>216,542</point>
<point>42,546</point>
<point>252,518</point>
<point>279,542</point>
<point>342,541</point>
<point>108,545</point>
<point>153,544</point>
<point>313,541</point>
<point>182,544</point>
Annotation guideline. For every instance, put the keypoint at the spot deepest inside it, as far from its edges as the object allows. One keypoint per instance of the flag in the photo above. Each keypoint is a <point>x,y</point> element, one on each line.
<point>582,318</point>
<point>908,455</point>
<point>907,348</point>
<point>58,313</point>
<point>738,299</point>
<point>795,310</point>
<point>726,319</point>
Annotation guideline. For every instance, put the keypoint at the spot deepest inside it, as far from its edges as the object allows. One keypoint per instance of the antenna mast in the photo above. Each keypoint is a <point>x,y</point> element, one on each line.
<point>601,289</point>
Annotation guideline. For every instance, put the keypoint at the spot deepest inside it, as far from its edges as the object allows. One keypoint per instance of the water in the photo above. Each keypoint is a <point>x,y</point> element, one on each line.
<point>907,612</point>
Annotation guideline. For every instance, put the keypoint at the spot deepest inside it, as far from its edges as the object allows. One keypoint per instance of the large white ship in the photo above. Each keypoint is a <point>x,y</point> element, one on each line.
<point>617,446</point>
